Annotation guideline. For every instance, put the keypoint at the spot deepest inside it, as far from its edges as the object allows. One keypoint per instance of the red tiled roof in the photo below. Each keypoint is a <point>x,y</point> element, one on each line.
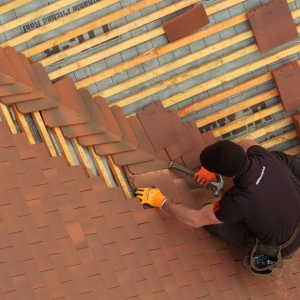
<point>64,235</point>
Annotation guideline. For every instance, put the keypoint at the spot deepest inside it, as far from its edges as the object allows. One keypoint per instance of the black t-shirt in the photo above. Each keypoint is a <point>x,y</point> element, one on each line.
<point>264,197</point>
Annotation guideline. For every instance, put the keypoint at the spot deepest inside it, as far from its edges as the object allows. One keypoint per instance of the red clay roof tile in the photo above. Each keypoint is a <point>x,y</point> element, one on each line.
<point>89,262</point>
<point>23,83</point>
<point>168,247</point>
<point>18,201</point>
<point>49,240</point>
<point>122,240</point>
<point>134,267</point>
<point>185,142</point>
<point>7,73</point>
<point>69,253</point>
<point>191,158</point>
<point>197,283</point>
<point>71,109</point>
<point>143,289</point>
<point>126,283</point>
<point>57,225</point>
<point>140,250</point>
<point>108,274</point>
<point>54,182</point>
<point>144,151</point>
<point>52,284</point>
<point>41,256</point>
<point>85,220</point>
<point>23,287</point>
<point>171,287</point>
<point>33,274</point>
<point>37,212</point>
<point>96,123</point>
<point>161,264</point>
<point>79,279</point>
<point>112,133</point>
<point>286,79</point>
<point>115,256</point>
<point>103,230</point>
<point>272,25</point>
<point>130,225</point>
<point>21,246</point>
<point>37,91</point>
<point>186,23</point>
<point>128,140</point>
<point>154,119</point>
<point>10,220</point>
<point>50,98</point>
<point>60,267</point>
<point>77,235</point>
<point>154,280</point>
<point>46,198</point>
<point>97,247</point>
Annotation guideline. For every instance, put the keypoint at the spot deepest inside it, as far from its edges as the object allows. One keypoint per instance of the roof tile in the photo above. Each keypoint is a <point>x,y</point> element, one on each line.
<point>7,73</point>
<point>185,142</point>
<point>154,119</point>
<point>114,255</point>
<point>134,267</point>
<point>150,237</point>
<point>53,285</point>
<point>255,292</point>
<point>140,250</point>
<point>24,147</point>
<point>7,176</point>
<point>168,246</point>
<point>76,234</point>
<point>69,253</point>
<point>33,274</point>
<point>18,201</point>
<point>5,135</point>
<point>89,262</point>
<point>49,240</point>
<point>92,204</point>
<point>41,256</point>
<point>112,133</point>
<point>66,209</point>
<point>97,247</point>
<point>179,273</point>
<point>109,276</point>
<point>73,194</point>
<point>143,289</point>
<point>71,109</point>
<point>228,262</point>
<point>210,251</point>
<point>10,220</point>
<point>126,283</point>
<point>156,221</point>
<point>239,286</point>
<point>197,283</point>
<point>122,240</point>
<point>46,198</point>
<point>50,98</point>
<point>26,185</point>
<point>60,267</point>
<point>23,83</point>
<point>99,287</point>
<point>79,279</point>
<point>6,283</point>
<point>96,123</point>
<point>56,186</point>
<point>23,287</point>
<point>41,293</point>
<point>174,232</point>
<point>42,154</point>
<point>57,226</point>
<point>154,280</point>
<point>186,257</point>
<point>83,182</point>
<point>20,244</point>
<point>34,170</point>
<point>161,264</point>
<point>204,268</point>
<point>171,287</point>
<point>130,225</point>
<point>12,261</point>
<point>221,277</point>
<point>5,240</point>
<point>103,230</point>
<point>15,160</point>
<point>188,293</point>
<point>128,140</point>
<point>85,220</point>
<point>144,151</point>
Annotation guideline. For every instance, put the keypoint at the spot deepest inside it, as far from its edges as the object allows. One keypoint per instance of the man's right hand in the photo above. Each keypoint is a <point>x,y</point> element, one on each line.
<point>205,177</point>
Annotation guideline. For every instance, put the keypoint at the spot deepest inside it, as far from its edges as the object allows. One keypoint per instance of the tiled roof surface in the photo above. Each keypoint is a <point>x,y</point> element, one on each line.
<point>70,225</point>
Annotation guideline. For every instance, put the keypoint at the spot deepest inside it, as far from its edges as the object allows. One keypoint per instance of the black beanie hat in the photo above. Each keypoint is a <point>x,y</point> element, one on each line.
<point>224,158</point>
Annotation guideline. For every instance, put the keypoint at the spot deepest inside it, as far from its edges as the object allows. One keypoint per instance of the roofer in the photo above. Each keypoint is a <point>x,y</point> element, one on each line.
<point>261,211</point>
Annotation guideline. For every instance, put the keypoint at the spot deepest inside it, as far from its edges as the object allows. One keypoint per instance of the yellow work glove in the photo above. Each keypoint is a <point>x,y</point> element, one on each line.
<point>150,196</point>
<point>204,176</point>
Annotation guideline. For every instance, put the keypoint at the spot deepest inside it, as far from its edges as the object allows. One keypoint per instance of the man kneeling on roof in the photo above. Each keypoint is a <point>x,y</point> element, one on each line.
<point>261,211</point>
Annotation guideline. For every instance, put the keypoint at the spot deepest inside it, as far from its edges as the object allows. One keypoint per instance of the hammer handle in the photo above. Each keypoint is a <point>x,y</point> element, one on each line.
<point>181,168</point>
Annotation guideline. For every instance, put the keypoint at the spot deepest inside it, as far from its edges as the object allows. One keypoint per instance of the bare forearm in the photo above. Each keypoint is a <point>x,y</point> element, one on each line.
<point>195,218</point>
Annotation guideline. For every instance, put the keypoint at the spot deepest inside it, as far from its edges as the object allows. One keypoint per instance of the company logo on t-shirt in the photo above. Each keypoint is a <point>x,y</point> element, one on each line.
<point>216,206</point>
<point>261,175</point>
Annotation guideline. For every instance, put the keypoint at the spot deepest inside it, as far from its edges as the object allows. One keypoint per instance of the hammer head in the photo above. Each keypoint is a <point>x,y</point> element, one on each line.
<point>219,185</point>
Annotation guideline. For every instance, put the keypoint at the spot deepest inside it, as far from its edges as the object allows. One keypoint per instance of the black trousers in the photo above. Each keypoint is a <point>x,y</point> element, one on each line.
<point>238,233</point>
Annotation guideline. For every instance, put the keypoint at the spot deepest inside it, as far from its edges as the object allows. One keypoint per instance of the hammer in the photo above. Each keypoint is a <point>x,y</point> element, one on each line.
<point>219,185</point>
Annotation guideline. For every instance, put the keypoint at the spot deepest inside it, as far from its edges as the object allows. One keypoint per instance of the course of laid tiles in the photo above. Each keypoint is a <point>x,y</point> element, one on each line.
<point>84,83</point>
